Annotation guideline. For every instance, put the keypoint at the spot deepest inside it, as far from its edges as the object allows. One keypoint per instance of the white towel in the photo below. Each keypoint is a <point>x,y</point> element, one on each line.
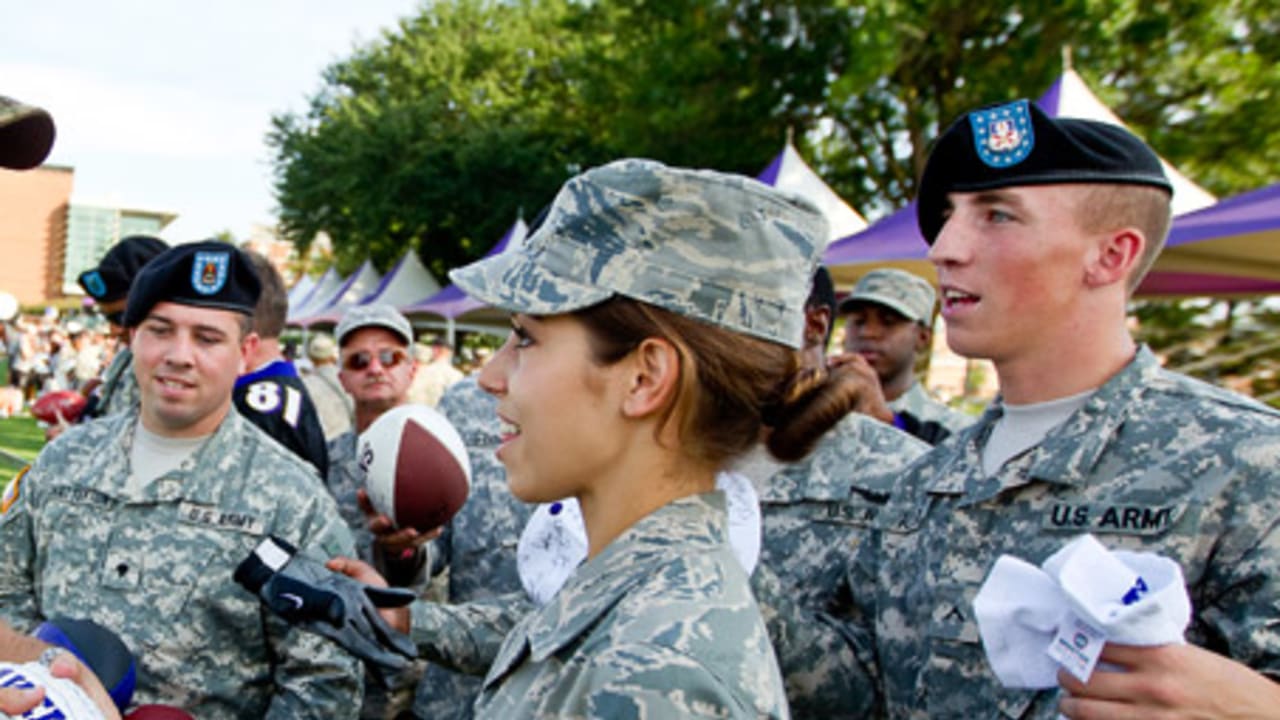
<point>554,541</point>
<point>1035,620</point>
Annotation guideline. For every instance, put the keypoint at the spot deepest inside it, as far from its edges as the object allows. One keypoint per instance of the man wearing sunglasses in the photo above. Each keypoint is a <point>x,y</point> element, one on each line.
<point>376,369</point>
<point>108,284</point>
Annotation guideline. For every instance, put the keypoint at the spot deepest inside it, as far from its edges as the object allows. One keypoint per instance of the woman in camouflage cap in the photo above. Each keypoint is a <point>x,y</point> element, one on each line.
<point>657,314</point>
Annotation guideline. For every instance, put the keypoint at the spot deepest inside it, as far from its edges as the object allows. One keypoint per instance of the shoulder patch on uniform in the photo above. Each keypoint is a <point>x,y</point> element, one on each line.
<point>11,492</point>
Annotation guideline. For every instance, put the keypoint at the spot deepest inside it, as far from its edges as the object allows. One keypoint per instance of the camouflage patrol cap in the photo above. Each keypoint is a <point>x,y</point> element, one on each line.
<point>719,248</point>
<point>1017,143</point>
<point>26,135</point>
<point>910,295</point>
<point>374,315</point>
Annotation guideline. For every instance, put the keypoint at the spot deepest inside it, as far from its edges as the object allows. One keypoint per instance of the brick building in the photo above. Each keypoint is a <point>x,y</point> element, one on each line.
<point>46,241</point>
<point>33,232</point>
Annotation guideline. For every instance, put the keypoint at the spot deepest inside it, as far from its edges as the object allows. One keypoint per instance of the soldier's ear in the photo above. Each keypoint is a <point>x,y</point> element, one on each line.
<point>652,375</point>
<point>248,349</point>
<point>1114,258</point>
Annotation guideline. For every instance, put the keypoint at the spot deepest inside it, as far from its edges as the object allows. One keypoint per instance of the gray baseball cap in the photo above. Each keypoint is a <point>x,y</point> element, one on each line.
<point>26,134</point>
<point>376,315</point>
<point>908,294</point>
<point>720,248</point>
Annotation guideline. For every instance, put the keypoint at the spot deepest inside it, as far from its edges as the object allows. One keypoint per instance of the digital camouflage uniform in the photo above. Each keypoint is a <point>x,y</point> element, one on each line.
<point>155,565</point>
<point>660,624</point>
<point>812,513</point>
<point>343,481</point>
<point>923,407</point>
<point>1153,462</point>
<point>119,389</point>
<point>478,546</point>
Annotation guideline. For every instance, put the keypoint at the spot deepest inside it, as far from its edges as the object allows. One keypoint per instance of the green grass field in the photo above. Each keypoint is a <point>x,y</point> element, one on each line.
<point>20,439</point>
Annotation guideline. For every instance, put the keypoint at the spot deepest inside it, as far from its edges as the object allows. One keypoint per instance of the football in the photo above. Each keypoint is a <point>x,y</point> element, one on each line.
<point>415,467</point>
<point>67,403</point>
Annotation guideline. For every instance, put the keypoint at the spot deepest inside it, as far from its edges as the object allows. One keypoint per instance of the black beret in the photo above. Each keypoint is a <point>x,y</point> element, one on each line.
<point>110,281</point>
<point>1016,143</point>
<point>207,274</point>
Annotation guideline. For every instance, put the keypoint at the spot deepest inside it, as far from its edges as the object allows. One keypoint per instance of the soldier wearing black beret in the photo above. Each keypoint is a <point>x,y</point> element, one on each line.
<point>108,283</point>
<point>1040,228</point>
<point>159,504</point>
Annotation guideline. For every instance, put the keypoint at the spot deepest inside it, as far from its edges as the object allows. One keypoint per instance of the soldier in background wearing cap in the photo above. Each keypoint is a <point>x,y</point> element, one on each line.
<point>108,284</point>
<point>137,520</point>
<point>1040,230</point>
<point>334,406</point>
<point>376,370</point>
<point>271,395</point>
<point>26,137</point>
<point>658,315</point>
<point>889,322</point>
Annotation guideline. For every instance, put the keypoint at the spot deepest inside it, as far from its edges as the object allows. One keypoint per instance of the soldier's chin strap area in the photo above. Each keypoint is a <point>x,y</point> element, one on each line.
<point>307,595</point>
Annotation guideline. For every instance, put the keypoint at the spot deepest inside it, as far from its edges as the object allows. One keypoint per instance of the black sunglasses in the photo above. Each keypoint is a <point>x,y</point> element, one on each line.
<point>362,359</point>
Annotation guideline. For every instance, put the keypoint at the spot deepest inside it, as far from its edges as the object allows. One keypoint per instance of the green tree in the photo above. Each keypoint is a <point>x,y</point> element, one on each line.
<point>434,136</point>
<point>1195,78</point>
<point>429,138</point>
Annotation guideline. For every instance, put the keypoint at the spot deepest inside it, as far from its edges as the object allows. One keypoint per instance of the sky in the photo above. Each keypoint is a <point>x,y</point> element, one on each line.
<point>165,105</point>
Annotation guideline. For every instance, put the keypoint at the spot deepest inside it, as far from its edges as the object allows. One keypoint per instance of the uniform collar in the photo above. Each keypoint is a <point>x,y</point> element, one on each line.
<point>1069,453</point>
<point>195,480</point>
<point>691,525</point>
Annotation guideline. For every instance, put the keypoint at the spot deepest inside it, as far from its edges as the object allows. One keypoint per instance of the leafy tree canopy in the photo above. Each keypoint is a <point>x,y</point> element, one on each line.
<point>435,136</point>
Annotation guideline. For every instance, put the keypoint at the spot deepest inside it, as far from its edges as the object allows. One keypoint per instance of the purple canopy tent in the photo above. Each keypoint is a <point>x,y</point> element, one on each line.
<point>790,172</point>
<point>1229,249</point>
<point>346,295</point>
<point>452,304</point>
<point>407,281</point>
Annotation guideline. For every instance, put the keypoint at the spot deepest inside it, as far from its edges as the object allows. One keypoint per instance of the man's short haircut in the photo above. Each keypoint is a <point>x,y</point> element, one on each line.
<point>1109,207</point>
<point>273,304</point>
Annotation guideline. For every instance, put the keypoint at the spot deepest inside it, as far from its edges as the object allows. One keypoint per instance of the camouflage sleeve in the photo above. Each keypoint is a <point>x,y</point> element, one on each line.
<point>824,656</point>
<point>314,677</point>
<point>643,680</point>
<point>17,554</point>
<point>466,637</point>
<point>1237,600</point>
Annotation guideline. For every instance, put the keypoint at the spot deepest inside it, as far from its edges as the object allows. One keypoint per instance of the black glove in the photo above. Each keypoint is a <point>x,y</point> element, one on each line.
<point>308,595</point>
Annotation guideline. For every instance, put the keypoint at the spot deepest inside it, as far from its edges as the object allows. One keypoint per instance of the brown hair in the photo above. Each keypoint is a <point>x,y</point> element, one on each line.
<point>1110,207</point>
<point>273,304</point>
<point>731,385</point>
